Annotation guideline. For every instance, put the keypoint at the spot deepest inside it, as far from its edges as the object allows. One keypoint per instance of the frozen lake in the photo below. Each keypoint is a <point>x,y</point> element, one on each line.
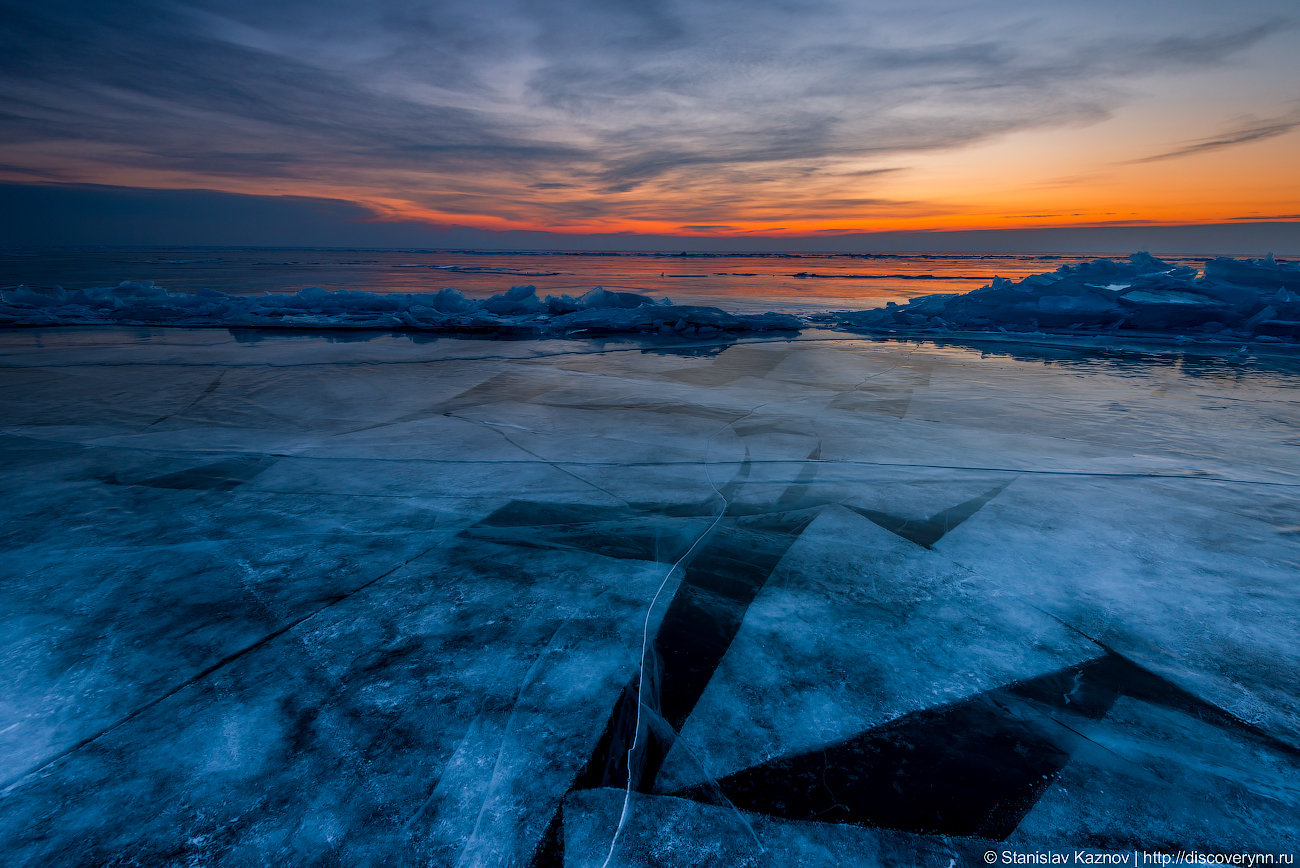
<point>306,600</point>
<point>800,282</point>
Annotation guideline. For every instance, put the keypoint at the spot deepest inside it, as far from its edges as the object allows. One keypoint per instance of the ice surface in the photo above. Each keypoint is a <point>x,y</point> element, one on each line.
<point>283,598</point>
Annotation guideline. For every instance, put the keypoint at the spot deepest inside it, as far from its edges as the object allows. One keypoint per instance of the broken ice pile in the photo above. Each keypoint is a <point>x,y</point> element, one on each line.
<point>518,311</point>
<point>1257,298</point>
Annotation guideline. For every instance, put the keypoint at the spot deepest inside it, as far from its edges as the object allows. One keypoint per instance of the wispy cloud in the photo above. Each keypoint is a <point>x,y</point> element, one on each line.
<point>573,112</point>
<point>1250,131</point>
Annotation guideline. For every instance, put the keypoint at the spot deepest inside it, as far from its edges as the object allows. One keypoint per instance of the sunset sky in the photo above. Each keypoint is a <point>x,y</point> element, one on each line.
<point>710,117</point>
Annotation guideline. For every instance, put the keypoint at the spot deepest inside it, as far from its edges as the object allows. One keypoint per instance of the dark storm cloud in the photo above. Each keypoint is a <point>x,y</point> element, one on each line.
<point>554,94</point>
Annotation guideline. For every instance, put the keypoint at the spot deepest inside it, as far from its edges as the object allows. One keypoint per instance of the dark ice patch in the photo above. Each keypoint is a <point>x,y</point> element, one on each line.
<point>929,531</point>
<point>610,532</point>
<point>669,408</point>
<point>969,768</point>
<point>508,386</point>
<point>886,400</point>
<point>720,580</point>
<point>719,584</point>
<point>722,576</point>
<point>550,850</point>
<point>217,476</point>
<point>756,426</point>
<point>211,387</point>
<point>691,352</point>
<point>702,620</point>
<point>16,446</point>
<point>796,493</point>
<point>889,394</point>
<point>730,366</point>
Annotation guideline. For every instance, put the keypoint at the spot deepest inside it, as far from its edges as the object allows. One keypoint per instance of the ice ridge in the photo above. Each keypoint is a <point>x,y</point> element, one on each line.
<point>1250,299</point>
<point>1255,299</point>
<point>518,311</point>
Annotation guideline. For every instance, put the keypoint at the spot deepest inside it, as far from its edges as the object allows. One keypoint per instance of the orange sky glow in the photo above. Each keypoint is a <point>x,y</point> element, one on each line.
<point>687,120</point>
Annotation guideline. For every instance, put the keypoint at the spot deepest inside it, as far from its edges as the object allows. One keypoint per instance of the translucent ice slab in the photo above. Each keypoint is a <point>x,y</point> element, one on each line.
<point>808,601</point>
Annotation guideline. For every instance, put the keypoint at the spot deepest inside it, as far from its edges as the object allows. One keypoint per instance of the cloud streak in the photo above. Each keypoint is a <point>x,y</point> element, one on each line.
<point>1253,131</point>
<point>572,112</point>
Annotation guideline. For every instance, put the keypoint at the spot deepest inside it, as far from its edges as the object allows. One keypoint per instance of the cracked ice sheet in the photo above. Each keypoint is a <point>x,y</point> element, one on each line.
<point>1193,579</point>
<point>665,832</point>
<point>886,628</point>
<point>340,735</point>
<point>1150,774</point>
<point>1143,420</point>
<point>116,593</point>
<point>371,458</point>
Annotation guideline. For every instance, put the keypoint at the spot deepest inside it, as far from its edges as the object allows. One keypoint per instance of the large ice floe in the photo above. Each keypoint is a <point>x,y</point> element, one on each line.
<point>1233,299</point>
<point>518,312</point>
<point>373,599</point>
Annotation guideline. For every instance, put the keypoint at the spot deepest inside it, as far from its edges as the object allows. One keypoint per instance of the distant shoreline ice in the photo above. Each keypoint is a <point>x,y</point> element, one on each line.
<point>1234,300</point>
<point>1256,299</point>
